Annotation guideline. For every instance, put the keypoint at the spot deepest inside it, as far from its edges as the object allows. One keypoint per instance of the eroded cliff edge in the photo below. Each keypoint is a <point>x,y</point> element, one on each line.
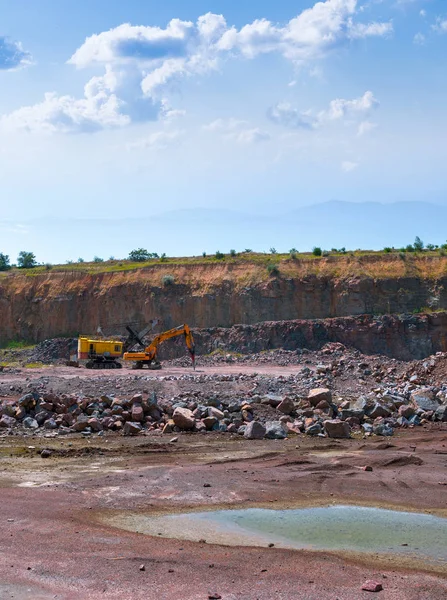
<point>36,306</point>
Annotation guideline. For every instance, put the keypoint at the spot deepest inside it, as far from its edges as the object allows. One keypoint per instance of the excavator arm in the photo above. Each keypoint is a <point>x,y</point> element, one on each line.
<point>149,355</point>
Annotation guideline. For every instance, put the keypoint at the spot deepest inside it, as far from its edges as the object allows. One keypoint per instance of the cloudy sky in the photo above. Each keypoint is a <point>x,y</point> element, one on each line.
<point>112,108</point>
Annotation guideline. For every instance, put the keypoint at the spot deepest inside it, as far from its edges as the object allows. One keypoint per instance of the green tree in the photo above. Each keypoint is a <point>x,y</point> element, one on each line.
<point>219,255</point>
<point>4,262</point>
<point>26,260</point>
<point>316,251</point>
<point>139,255</point>
<point>418,244</point>
<point>98,259</point>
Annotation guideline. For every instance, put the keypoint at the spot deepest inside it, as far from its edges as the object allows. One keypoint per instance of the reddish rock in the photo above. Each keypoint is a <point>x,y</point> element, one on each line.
<point>337,429</point>
<point>137,414</point>
<point>372,586</point>
<point>318,394</point>
<point>287,406</point>
<point>183,418</point>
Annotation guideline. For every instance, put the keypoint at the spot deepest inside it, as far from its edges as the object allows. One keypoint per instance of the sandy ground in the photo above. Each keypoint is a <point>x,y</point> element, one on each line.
<point>57,540</point>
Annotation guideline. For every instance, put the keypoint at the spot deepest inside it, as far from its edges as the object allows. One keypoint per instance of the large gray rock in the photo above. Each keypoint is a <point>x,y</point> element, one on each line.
<point>348,413</point>
<point>131,428</point>
<point>337,429</point>
<point>318,394</point>
<point>378,410</point>
<point>383,429</point>
<point>275,430</point>
<point>425,399</point>
<point>30,423</point>
<point>441,413</point>
<point>183,418</point>
<point>254,431</point>
<point>215,412</point>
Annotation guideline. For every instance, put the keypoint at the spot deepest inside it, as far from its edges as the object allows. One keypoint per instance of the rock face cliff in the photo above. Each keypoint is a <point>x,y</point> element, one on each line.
<point>38,306</point>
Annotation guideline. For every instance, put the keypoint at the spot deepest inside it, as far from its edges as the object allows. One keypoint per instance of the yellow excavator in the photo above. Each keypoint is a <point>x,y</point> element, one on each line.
<point>148,356</point>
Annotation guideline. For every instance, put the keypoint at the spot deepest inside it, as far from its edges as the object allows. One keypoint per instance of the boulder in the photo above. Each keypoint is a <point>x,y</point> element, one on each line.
<point>314,429</point>
<point>406,410</point>
<point>215,412</point>
<point>81,424</point>
<point>254,431</point>
<point>378,410</point>
<point>383,429</point>
<point>210,422</point>
<point>7,421</point>
<point>425,399</point>
<point>441,413</point>
<point>183,418</point>
<point>275,430</point>
<point>131,428</point>
<point>318,394</point>
<point>287,406</point>
<point>137,413</point>
<point>337,429</point>
<point>30,423</point>
<point>351,413</point>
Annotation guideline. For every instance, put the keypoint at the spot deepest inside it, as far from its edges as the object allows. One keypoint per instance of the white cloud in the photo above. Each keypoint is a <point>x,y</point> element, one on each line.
<point>109,101</point>
<point>419,39</point>
<point>252,136</point>
<point>440,26</point>
<point>340,108</point>
<point>347,166</point>
<point>365,127</point>
<point>12,55</point>
<point>159,140</point>
<point>144,62</point>
<point>286,115</point>
<point>423,13</point>
<point>237,130</point>
<point>224,125</point>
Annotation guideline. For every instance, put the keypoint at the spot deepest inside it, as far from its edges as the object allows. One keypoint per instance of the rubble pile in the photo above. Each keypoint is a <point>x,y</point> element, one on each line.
<point>53,350</point>
<point>255,415</point>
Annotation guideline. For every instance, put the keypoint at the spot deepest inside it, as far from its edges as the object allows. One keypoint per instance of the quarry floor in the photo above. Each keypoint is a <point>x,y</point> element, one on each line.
<point>56,542</point>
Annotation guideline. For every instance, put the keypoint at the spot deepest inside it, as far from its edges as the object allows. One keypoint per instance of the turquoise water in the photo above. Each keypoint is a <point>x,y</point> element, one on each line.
<point>334,528</point>
<point>360,529</point>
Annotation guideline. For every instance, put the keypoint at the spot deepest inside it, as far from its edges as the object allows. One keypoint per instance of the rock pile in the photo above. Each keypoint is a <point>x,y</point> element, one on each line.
<point>255,416</point>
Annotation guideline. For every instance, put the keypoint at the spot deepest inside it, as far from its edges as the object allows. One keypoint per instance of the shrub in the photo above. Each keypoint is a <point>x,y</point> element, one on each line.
<point>316,251</point>
<point>247,250</point>
<point>163,257</point>
<point>98,259</point>
<point>402,255</point>
<point>168,280</point>
<point>430,247</point>
<point>4,262</point>
<point>233,253</point>
<point>409,248</point>
<point>204,254</point>
<point>48,266</point>
<point>272,250</point>
<point>273,269</point>
<point>81,260</point>
<point>26,260</point>
<point>325,253</point>
<point>220,255</point>
<point>387,250</point>
<point>293,254</point>
<point>442,252</point>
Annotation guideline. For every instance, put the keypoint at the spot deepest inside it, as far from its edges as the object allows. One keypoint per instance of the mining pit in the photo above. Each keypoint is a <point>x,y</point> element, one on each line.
<point>93,464</point>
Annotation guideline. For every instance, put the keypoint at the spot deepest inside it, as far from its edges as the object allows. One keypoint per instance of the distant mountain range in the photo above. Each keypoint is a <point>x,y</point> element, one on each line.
<point>333,224</point>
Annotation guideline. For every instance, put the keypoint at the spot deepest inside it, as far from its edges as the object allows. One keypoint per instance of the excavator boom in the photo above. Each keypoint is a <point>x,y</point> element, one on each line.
<point>149,355</point>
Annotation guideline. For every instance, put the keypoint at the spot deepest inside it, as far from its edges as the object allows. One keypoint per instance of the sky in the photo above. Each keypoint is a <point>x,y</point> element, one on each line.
<point>111,109</point>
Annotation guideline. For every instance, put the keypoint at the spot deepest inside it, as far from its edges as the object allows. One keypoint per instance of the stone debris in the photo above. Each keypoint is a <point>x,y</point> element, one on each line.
<point>372,586</point>
<point>335,392</point>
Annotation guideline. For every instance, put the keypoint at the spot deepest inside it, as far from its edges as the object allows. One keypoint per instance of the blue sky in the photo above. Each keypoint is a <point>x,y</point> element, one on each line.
<point>116,109</point>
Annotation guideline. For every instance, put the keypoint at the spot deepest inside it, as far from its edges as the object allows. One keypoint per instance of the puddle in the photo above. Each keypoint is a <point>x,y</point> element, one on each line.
<point>334,528</point>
